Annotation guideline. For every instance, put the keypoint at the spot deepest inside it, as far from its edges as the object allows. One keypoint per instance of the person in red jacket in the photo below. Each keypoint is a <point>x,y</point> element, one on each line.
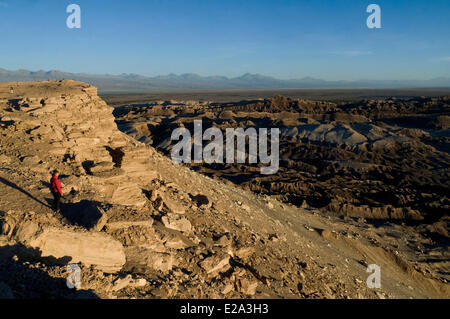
<point>55,187</point>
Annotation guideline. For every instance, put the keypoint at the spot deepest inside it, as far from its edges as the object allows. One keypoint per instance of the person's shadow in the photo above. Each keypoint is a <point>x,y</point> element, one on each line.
<point>12,185</point>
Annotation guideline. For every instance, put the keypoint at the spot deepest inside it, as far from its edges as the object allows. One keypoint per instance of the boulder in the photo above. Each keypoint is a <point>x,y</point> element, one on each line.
<point>177,222</point>
<point>165,202</point>
<point>96,249</point>
<point>224,241</point>
<point>140,259</point>
<point>173,206</point>
<point>244,252</point>
<point>173,239</point>
<point>128,281</point>
<point>246,286</point>
<point>227,289</point>
<point>102,167</point>
<point>122,191</point>
<point>216,264</point>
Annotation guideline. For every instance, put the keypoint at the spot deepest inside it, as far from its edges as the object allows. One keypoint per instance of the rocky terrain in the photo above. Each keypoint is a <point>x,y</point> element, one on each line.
<point>140,226</point>
<point>377,159</point>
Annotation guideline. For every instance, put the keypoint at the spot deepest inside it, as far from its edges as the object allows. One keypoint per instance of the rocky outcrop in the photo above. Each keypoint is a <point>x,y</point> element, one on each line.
<point>72,125</point>
<point>67,245</point>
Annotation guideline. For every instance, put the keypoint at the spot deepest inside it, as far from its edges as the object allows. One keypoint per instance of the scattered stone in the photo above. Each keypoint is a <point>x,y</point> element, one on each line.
<point>173,239</point>
<point>142,259</point>
<point>244,252</point>
<point>177,222</point>
<point>246,286</point>
<point>216,264</point>
<point>224,241</point>
<point>173,206</point>
<point>227,289</point>
<point>121,283</point>
<point>123,225</point>
<point>160,261</point>
<point>128,281</point>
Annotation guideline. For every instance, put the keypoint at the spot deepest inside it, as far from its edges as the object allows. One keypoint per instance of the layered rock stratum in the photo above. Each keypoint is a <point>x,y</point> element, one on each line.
<point>140,226</point>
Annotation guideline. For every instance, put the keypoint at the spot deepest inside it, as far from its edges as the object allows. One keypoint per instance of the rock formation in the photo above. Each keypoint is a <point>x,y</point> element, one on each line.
<point>374,159</point>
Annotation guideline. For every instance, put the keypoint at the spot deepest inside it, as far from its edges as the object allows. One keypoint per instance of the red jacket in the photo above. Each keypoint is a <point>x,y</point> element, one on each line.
<point>55,185</point>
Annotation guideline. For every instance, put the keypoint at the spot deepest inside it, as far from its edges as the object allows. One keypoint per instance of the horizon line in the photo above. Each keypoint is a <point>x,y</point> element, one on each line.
<point>308,77</point>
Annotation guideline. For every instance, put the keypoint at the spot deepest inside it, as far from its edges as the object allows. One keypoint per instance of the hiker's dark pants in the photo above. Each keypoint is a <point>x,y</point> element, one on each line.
<point>56,203</point>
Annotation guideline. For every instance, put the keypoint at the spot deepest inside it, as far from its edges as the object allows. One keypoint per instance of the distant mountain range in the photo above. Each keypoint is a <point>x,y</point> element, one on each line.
<point>139,83</point>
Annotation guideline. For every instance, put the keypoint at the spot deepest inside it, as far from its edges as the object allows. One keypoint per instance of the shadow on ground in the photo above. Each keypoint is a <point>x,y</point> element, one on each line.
<point>85,213</point>
<point>20,280</point>
<point>16,187</point>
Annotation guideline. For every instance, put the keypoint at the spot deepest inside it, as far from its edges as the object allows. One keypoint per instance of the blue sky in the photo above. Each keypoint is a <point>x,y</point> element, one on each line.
<point>281,38</point>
